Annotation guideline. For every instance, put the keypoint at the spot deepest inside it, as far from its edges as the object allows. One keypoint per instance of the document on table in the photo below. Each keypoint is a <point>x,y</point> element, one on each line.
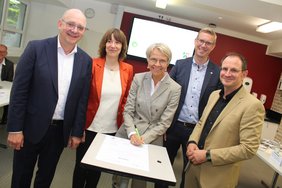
<point>120,151</point>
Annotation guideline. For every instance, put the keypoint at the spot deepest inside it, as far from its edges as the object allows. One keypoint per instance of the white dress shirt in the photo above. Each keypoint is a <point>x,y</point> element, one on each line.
<point>65,68</point>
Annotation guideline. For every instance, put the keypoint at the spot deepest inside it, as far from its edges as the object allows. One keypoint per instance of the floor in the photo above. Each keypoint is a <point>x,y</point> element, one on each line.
<point>252,171</point>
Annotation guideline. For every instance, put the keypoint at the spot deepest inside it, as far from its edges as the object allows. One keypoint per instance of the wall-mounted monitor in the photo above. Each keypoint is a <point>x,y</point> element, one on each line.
<point>145,32</point>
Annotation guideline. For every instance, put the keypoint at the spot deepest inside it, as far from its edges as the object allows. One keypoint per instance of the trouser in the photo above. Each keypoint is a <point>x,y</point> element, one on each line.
<point>46,153</point>
<point>175,138</point>
<point>5,114</point>
<point>85,178</point>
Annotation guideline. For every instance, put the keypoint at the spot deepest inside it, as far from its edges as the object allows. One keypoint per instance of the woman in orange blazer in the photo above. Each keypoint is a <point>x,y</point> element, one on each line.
<point>111,80</point>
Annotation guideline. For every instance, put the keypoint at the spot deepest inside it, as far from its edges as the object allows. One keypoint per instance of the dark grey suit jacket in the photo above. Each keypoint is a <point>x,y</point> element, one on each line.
<point>34,92</point>
<point>7,73</point>
<point>181,74</point>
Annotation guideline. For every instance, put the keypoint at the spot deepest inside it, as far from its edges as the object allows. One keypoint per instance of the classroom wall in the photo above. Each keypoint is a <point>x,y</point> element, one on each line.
<point>43,18</point>
<point>263,69</point>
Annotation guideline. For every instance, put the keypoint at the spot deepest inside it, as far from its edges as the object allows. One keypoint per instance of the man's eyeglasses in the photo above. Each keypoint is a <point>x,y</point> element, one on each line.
<point>72,25</point>
<point>154,61</point>
<point>207,43</point>
<point>232,70</point>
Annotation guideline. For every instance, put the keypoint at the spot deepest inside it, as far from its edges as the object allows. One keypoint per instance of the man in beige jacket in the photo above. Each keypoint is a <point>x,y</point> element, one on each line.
<point>228,132</point>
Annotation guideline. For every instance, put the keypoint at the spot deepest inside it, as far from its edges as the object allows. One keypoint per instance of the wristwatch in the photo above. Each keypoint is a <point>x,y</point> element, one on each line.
<point>208,156</point>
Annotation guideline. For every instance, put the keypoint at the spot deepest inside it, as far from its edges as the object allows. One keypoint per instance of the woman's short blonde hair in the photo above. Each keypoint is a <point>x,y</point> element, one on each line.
<point>163,48</point>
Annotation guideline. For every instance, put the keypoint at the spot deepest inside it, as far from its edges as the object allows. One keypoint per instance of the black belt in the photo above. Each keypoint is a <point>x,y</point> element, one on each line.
<point>55,122</point>
<point>185,124</point>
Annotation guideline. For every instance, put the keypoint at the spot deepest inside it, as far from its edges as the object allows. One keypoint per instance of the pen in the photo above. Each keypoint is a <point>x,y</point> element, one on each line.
<point>136,130</point>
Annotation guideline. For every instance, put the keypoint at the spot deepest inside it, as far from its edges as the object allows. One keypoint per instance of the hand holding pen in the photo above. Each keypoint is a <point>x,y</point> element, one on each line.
<point>136,139</point>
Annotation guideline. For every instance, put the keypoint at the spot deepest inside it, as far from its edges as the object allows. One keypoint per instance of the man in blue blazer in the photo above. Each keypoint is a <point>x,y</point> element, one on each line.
<point>198,77</point>
<point>48,102</point>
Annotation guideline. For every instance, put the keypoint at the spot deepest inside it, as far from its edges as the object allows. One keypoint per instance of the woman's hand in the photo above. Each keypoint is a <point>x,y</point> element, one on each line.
<point>136,140</point>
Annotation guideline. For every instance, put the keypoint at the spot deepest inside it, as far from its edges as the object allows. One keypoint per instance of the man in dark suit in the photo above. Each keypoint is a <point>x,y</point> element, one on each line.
<point>7,74</point>
<point>198,77</point>
<point>48,102</point>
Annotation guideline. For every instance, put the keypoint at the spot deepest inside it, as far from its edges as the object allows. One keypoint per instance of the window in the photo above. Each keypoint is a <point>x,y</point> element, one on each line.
<point>1,10</point>
<point>13,16</point>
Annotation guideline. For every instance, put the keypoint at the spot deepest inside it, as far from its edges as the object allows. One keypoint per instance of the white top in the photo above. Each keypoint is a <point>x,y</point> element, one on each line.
<point>65,66</point>
<point>105,120</point>
<point>153,87</point>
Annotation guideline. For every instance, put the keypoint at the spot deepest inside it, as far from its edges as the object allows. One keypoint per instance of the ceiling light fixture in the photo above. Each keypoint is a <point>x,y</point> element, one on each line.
<point>212,25</point>
<point>269,27</point>
<point>161,4</point>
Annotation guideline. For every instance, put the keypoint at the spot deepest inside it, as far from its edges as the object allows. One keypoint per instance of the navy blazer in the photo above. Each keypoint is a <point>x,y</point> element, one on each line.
<point>181,74</point>
<point>34,93</point>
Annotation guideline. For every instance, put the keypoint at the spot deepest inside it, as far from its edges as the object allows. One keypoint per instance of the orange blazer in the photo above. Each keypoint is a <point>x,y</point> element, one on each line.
<point>126,76</point>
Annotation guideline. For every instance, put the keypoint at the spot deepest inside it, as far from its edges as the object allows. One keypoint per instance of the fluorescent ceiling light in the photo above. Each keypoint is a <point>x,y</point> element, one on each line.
<point>161,4</point>
<point>274,2</point>
<point>269,27</point>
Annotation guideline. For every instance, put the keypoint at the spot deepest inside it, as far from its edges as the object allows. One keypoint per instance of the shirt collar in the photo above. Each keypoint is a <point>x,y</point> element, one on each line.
<point>3,62</point>
<point>60,48</point>
<point>200,66</point>
<point>166,74</point>
<point>231,95</point>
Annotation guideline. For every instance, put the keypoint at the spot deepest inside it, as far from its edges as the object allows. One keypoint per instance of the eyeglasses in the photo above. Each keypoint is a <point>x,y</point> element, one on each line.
<point>154,61</point>
<point>232,70</point>
<point>207,43</point>
<point>72,25</point>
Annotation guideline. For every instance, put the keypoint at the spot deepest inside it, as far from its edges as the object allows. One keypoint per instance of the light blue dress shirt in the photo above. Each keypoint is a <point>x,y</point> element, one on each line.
<point>189,112</point>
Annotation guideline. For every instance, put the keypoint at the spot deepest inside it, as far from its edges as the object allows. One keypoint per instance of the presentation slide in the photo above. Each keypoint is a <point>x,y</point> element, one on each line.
<point>145,32</point>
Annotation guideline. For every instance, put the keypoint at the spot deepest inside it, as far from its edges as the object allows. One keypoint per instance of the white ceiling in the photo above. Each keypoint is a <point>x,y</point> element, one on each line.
<point>241,16</point>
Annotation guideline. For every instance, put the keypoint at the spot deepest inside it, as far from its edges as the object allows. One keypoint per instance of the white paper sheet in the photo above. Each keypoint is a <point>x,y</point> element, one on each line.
<point>121,152</point>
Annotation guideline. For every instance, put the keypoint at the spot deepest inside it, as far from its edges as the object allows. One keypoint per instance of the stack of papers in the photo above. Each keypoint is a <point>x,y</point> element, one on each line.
<point>276,158</point>
<point>121,152</point>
